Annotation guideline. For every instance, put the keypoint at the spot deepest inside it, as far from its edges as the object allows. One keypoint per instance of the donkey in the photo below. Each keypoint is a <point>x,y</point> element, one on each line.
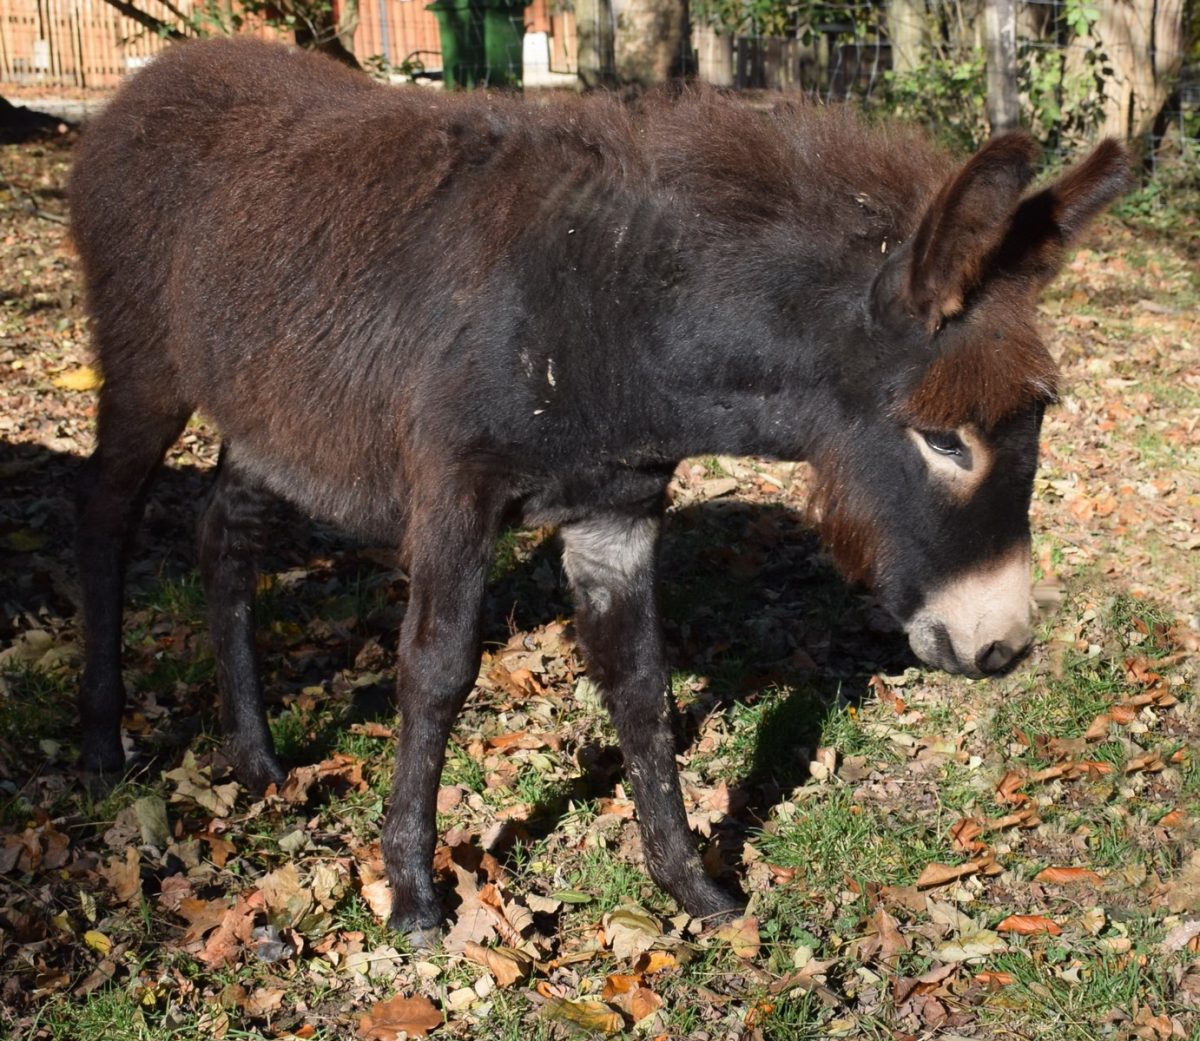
<point>422,317</point>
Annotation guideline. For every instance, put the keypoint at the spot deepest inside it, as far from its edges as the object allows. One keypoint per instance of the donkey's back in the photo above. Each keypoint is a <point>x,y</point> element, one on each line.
<point>291,249</point>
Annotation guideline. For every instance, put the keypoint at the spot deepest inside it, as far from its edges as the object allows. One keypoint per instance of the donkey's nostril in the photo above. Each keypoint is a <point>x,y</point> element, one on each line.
<point>995,656</point>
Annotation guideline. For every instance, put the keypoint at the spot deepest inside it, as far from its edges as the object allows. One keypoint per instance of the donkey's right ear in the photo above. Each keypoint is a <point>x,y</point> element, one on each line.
<point>1049,221</point>
<point>964,223</point>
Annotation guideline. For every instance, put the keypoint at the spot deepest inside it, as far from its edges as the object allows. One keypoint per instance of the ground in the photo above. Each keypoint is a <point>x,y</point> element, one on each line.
<point>925,856</point>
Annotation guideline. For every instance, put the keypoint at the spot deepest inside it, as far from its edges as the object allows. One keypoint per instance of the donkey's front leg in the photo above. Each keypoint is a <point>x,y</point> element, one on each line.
<point>611,562</point>
<point>448,547</point>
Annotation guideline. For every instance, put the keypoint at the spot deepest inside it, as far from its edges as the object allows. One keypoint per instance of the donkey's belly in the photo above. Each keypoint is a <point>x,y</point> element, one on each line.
<point>357,498</point>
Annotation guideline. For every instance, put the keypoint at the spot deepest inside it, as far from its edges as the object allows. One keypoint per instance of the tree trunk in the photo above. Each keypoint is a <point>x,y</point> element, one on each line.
<point>906,33</point>
<point>594,27</point>
<point>1143,40</point>
<point>316,31</point>
<point>1002,108</point>
<point>347,24</point>
<point>649,40</point>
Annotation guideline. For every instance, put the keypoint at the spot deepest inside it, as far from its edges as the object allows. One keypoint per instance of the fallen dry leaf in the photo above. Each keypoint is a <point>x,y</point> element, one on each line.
<point>264,1001</point>
<point>1028,925</point>
<point>630,931</point>
<point>1009,788</point>
<point>475,922</point>
<point>619,983</point>
<point>638,1002</point>
<point>1173,819</point>
<point>964,835</point>
<point>883,940</point>
<point>995,980</point>
<point>1026,817</point>
<point>651,962</point>
<point>742,936</point>
<point>287,898</point>
<point>372,729</point>
<point>415,1017</point>
<point>123,874</point>
<point>588,1015</point>
<point>201,916</point>
<point>941,874</point>
<point>1066,875</point>
<point>1098,730</point>
<point>194,784</point>
<point>1149,763</point>
<point>1183,935</point>
<point>232,933</point>
<point>80,379</point>
<point>378,897</point>
<point>507,965</point>
<point>907,897</point>
<point>1123,714</point>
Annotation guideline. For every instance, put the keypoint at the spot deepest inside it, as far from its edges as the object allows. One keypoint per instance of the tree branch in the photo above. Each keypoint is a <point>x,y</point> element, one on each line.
<point>147,20</point>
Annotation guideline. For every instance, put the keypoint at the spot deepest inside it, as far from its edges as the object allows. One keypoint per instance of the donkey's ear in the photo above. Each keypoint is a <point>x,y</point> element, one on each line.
<point>966,221</point>
<point>1048,221</point>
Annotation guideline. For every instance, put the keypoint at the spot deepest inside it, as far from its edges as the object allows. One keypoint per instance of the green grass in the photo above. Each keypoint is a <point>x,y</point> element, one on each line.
<point>1054,1005</point>
<point>37,706</point>
<point>838,836</point>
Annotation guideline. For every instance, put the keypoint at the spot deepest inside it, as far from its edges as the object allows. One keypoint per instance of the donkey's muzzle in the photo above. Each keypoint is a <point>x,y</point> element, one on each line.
<point>999,656</point>
<point>979,621</point>
<point>933,643</point>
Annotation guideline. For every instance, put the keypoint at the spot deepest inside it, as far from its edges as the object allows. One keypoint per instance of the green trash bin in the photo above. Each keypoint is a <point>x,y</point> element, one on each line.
<point>482,42</point>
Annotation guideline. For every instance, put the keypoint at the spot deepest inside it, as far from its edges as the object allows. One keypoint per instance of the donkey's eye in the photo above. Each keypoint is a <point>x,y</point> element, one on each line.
<point>944,442</point>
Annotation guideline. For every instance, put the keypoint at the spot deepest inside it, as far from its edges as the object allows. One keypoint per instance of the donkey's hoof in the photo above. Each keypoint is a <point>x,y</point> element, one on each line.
<point>102,757</point>
<point>424,939</point>
<point>101,767</point>
<point>706,900</point>
<point>98,783</point>
<point>421,925</point>
<point>256,770</point>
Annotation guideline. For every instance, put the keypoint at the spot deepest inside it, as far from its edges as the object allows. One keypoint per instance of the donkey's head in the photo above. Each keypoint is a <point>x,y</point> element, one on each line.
<point>925,492</point>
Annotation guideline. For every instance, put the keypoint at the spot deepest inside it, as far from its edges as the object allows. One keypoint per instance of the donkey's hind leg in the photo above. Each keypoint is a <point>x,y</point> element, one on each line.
<point>448,547</point>
<point>137,422</point>
<point>230,537</point>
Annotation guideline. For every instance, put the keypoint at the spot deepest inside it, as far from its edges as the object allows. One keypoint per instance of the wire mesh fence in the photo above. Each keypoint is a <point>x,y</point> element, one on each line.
<point>1082,68</point>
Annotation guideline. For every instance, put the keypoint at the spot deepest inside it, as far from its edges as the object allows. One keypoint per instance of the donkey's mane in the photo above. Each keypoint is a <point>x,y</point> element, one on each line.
<point>820,167</point>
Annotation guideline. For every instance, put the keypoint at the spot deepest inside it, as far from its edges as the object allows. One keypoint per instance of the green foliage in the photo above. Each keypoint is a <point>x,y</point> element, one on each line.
<point>1061,69</point>
<point>945,93</point>
<point>309,21</point>
<point>792,19</point>
<point>379,67</point>
<point>1063,99</point>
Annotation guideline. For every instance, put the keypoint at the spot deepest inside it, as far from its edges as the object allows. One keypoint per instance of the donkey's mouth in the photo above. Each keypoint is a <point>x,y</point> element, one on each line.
<point>931,642</point>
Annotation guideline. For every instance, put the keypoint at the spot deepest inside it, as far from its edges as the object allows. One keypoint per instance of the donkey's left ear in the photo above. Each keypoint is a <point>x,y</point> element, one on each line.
<point>1046,223</point>
<point>964,223</point>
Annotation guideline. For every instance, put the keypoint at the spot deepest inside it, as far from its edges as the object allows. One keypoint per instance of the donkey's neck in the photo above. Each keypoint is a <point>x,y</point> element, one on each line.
<point>758,350</point>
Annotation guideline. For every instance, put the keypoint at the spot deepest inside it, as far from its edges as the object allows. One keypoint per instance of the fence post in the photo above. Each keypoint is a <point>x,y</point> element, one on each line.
<point>1001,27</point>
<point>906,33</point>
<point>596,59</point>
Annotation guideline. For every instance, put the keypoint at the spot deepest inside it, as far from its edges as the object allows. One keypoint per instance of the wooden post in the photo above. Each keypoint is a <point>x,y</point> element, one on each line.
<point>906,33</point>
<point>596,41</point>
<point>1001,25</point>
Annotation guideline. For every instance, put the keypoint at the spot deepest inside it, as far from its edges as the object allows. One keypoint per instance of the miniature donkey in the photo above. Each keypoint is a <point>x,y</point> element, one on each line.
<point>422,316</point>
